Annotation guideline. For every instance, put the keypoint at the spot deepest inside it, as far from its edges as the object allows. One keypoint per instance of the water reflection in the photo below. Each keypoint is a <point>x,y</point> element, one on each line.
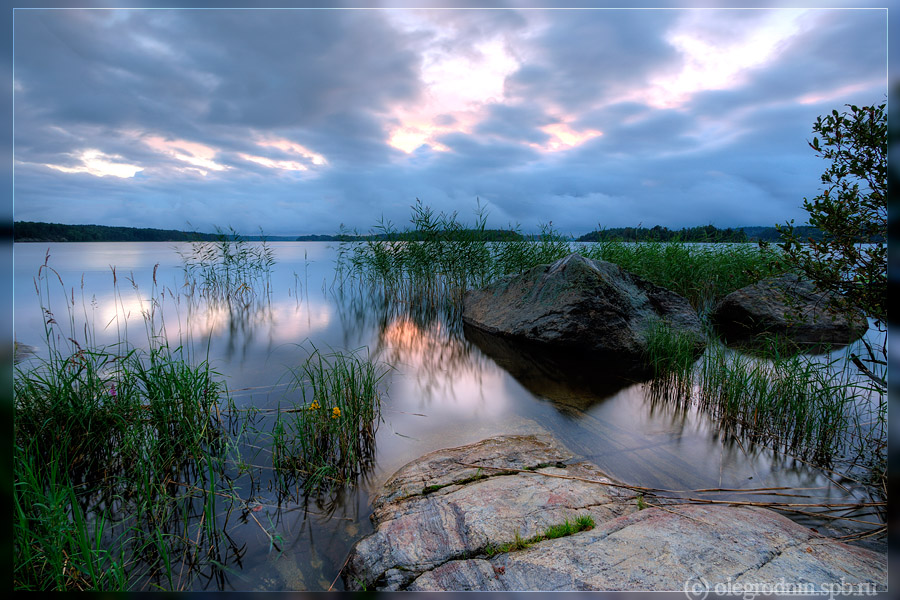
<point>569,380</point>
<point>449,387</point>
<point>424,338</point>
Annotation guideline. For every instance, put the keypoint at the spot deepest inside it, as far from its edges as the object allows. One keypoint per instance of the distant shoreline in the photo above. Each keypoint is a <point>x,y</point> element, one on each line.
<point>40,232</point>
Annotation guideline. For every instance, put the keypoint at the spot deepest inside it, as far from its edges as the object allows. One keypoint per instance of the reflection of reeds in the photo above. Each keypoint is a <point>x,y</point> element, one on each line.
<point>671,354</point>
<point>809,406</point>
<point>790,401</point>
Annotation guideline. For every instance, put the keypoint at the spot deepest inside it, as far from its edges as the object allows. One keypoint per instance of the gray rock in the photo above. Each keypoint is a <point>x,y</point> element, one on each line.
<point>789,308</point>
<point>439,509</point>
<point>672,550</point>
<point>439,515</point>
<point>582,308</point>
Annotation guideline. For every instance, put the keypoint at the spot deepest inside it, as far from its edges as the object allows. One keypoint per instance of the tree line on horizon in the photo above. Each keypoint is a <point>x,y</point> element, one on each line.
<point>34,231</point>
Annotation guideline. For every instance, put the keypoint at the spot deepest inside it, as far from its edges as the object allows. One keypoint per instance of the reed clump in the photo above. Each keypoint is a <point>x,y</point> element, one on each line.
<point>701,273</point>
<point>796,403</point>
<point>99,437</point>
<point>441,257</point>
<point>329,435</point>
<point>228,268</point>
<point>809,406</point>
<point>125,457</point>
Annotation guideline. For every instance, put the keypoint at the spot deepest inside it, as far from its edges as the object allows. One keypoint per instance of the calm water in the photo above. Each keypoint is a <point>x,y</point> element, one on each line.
<point>442,392</point>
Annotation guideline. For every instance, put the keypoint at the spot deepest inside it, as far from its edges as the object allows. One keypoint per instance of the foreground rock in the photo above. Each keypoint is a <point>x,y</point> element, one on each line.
<point>438,509</point>
<point>789,308</point>
<point>578,307</point>
<point>657,550</point>
<point>438,517</point>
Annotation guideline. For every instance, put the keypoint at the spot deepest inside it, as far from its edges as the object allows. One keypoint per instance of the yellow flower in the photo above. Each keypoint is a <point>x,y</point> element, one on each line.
<point>314,405</point>
<point>335,412</point>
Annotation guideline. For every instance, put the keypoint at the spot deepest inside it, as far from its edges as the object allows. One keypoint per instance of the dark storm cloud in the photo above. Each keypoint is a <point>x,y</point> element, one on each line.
<point>186,74</point>
<point>298,67</point>
<point>339,83</point>
<point>473,154</point>
<point>585,57</point>
<point>629,132</point>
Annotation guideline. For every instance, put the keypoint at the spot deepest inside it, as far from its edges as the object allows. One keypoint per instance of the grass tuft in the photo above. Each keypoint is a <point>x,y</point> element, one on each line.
<point>581,523</point>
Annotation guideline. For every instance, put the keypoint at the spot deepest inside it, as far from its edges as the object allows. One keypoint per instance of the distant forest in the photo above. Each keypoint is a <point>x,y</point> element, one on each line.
<point>703,233</point>
<point>29,231</point>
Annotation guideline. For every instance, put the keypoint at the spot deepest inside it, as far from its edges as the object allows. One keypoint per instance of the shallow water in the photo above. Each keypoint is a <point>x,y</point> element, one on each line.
<point>443,391</point>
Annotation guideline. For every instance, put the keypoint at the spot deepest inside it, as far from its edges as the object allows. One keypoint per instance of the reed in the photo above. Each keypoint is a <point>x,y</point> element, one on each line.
<point>230,268</point>
<point>55,549</point>
<point>329,434</point>
<point>441,257</point>
<point>794,402</point>
<point>812,407</point>
<point>671,354</point>
<point>702,273</point>
<point>123,454</point>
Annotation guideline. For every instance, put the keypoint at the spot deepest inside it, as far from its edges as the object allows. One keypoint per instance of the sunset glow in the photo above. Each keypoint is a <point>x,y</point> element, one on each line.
<point>565,137</point>
<point>192,153</point>
<point>286,145</point>
<point>95,162</point>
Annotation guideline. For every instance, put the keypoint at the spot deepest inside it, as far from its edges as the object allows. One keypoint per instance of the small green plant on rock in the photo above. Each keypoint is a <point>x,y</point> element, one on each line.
<point>581,523</point>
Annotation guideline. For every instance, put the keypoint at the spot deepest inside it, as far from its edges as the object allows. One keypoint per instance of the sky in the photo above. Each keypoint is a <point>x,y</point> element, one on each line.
<point>300,121</point>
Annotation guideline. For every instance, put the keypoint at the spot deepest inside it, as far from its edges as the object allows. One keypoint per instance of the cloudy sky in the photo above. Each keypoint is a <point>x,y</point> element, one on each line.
<point>297,121</point>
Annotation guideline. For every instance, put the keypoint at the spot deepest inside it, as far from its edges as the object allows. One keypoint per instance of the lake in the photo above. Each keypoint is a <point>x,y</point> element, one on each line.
<point>441,391</point>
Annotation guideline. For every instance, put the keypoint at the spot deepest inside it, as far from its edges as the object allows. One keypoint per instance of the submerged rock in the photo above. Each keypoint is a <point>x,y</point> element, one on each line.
<point>789,308</point>
<point>439,518</point>
<point>581,308</point>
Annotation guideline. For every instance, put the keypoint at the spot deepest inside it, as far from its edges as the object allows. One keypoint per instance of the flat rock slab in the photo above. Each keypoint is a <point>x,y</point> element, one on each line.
<point>438,517</point>
<point>673,549</point>
<point>440,509</point>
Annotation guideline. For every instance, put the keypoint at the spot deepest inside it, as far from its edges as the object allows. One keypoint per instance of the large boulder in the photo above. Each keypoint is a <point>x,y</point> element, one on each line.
<point>593,311</point>
<point>440,520</point>
<point>789,308</point>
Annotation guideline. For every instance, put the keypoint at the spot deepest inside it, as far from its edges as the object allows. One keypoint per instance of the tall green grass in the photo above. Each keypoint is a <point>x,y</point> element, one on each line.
<point>125,457</point>
<point>808,406</point>
<point>702,273</point>
<point>793,402</point>
<point>329,432</point>
<point>441,257</point>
